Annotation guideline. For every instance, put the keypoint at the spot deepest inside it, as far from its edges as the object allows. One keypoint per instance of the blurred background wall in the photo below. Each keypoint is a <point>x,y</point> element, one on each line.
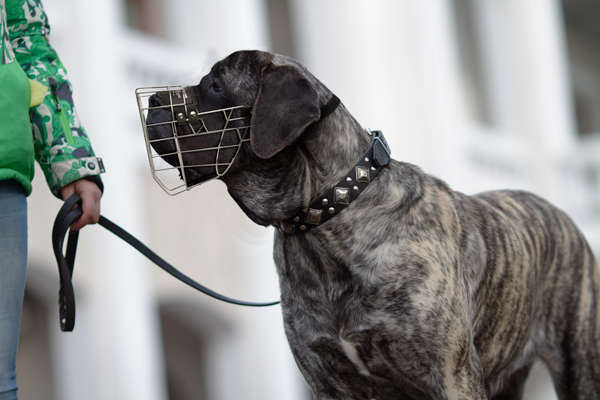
<point>482,93</point>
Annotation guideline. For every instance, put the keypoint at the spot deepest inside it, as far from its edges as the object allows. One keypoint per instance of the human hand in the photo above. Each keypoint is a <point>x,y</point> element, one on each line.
<point>90,201</point>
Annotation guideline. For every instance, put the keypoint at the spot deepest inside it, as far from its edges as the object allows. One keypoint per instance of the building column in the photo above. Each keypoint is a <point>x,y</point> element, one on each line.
<point>394,66</point>
<point>543,91</point>
<point>120,315</point>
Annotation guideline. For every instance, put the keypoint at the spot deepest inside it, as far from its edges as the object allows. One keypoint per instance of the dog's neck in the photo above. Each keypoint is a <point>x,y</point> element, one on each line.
<point>335,200</point>
<point>332,183</point>
<point>302,172</point>
<point>338,134</point>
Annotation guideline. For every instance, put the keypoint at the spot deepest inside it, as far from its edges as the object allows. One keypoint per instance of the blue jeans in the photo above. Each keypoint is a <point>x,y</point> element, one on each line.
<point>13,265</point>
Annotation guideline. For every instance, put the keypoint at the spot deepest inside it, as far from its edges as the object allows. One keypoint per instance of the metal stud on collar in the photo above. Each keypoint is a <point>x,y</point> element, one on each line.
<point>313,216</point>
<point>362,174</point>
<point>341,195</point>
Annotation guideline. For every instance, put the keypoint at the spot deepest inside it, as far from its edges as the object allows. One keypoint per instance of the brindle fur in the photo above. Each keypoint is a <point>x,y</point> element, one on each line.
<point>414,291</point>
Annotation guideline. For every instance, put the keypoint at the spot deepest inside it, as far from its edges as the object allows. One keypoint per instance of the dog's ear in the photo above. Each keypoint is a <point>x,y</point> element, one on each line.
<point>286,105</point>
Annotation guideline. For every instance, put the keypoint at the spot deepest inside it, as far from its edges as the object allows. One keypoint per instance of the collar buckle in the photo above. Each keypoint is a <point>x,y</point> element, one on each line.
<point>381,149</point>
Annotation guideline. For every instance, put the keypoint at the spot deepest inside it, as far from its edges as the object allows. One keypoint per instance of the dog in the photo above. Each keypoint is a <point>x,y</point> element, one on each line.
<point>394,286</point>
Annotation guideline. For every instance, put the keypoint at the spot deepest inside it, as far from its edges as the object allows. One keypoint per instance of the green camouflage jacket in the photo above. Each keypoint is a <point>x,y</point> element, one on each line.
<point>49,130</point>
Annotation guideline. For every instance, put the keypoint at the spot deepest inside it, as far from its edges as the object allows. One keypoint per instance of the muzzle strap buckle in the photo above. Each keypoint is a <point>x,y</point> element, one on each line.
<point>184,106</point>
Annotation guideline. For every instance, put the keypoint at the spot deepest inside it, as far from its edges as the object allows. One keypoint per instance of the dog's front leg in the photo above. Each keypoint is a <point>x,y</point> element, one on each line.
<point>464,376</point>
<point>449,373</point>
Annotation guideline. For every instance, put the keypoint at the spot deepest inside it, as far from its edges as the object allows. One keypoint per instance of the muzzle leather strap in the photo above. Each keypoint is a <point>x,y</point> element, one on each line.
<point>65,218</point>
<point>346,191</point>
<point>330,107</point>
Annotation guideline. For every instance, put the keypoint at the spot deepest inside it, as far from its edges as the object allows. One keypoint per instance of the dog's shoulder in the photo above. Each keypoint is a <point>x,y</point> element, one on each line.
<point>415,184</point>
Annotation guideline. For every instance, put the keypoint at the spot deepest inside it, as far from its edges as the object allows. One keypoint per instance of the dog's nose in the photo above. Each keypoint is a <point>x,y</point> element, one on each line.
<point>152,102</point>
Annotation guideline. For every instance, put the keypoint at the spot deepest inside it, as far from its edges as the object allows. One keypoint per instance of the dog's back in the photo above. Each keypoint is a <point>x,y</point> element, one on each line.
<point>538,293</point>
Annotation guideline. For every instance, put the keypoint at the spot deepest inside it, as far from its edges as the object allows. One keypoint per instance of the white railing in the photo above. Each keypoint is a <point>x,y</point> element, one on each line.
<point>498,160</point>
<point>589,153</point>
<point>494,160</point>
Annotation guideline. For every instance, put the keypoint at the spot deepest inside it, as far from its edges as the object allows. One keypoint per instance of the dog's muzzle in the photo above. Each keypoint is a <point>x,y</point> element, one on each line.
<point>169,116</point>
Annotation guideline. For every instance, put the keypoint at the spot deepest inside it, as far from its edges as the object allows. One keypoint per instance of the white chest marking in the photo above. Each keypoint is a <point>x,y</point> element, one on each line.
<point>350,350</point>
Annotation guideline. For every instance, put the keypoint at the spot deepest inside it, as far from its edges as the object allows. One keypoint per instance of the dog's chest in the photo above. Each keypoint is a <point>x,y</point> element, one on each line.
<point>332,327</point>
<point>324,306</point>
<point>351,328</point>
<point>352,347</point>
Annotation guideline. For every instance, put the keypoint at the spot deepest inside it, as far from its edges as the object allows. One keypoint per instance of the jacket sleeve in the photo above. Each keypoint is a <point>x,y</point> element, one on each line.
<point>61,144</point>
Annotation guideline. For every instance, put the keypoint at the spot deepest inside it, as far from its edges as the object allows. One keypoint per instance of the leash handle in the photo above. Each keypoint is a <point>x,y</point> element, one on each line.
<point>66,295</point>
<point>65,218</point>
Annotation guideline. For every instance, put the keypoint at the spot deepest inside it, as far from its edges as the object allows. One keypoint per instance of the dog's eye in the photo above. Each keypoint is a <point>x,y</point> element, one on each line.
<point>216,88</point>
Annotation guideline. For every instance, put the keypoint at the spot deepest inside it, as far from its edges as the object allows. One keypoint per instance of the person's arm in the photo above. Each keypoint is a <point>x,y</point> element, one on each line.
<point>61,144</point>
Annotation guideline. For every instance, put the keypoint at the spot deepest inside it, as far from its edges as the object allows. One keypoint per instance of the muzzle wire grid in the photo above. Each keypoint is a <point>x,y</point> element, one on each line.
<point>181,103</point>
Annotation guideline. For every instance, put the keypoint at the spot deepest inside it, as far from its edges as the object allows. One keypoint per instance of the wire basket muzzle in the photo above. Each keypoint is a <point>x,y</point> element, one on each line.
<point>185,147</point>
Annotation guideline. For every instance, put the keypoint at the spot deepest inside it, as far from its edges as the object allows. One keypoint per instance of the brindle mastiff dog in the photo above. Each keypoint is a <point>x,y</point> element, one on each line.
<point>408,290</point>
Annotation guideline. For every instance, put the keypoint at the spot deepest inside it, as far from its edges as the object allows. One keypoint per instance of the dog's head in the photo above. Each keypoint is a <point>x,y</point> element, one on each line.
<point>279,91</point>
<point>263,164</point>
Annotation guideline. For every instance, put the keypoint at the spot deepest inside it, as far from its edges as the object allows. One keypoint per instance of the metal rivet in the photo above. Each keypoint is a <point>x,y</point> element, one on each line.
<point>331,210</point>
<point>373,169</point>
<point>325,202</point>
<point>313,216</point>
<point>91,166</point>
<point>349,180</point>
<point>341,195</point>
<point>288,228</point>
<point>355,188</point>
<point>366,159</point>
<point>302,227</point>
<point>362,174</point>
<point>192,113</point>
<point>296,219</point>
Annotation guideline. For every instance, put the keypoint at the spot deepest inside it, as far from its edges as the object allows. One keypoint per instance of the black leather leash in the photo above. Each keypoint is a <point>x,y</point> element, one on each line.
<point>66,296</point>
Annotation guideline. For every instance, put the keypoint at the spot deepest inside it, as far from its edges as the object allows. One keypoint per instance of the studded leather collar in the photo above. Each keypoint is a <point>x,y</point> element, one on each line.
<point>344,193</point>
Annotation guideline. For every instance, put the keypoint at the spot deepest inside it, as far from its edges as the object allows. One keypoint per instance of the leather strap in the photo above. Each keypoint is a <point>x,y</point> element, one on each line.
<point>70,211</point>
<point>66,297</point>
<point>345,192</point>
<point>330,107</point>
